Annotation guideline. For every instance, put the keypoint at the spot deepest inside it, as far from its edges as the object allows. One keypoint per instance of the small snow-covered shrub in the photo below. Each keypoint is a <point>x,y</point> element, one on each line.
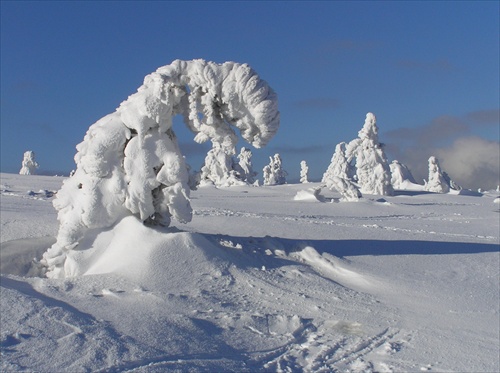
<point>129,162</point>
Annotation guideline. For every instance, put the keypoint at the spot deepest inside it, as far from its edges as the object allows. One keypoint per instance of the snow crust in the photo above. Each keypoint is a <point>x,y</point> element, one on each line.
<point>129,162</point>
<point>257,282</point>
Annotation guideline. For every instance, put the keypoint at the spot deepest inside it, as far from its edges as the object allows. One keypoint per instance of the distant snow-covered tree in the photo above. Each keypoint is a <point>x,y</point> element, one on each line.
<point>372,168</point>
<point>437,182</point>
<point>303,172</point>
<point>129,162</point>
<point>244,166</point>
<point>453,185</point>
<point>337,176</point>
<point>274,174</point>
<point>399,174</point>
<point>339,167</point>
<point>348,190</point>
<point>218,168</point>
<point>29,165</point>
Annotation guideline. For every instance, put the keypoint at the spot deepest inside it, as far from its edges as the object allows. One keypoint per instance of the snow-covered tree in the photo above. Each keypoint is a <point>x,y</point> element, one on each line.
<point>218,168</point>
<point>274,174</point>
<point>244,167</point>
<point>339,167</point>
<point>29,165</point>
<point>129,162</point>
<point>399,174</point>
<point>372,168</point>
<point>221,170</point>
<point>303,172</point>
<point>453,185</point>
<point>347,189</point>
<point>436,182</point>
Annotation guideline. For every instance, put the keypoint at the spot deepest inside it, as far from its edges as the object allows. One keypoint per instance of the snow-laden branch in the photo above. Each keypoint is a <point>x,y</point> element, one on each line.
<point>130,163</point>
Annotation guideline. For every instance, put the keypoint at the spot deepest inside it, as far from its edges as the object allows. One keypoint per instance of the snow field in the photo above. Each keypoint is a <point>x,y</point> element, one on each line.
<point>258,281</point>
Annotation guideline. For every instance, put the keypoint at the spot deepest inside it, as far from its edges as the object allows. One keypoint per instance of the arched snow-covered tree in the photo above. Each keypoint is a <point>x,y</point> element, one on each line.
<point>274,174</point>
<point>437,182</point>
<point>129,162</point>
<point>303,172</point>
<point>29,165</point>
<point>372,168</point>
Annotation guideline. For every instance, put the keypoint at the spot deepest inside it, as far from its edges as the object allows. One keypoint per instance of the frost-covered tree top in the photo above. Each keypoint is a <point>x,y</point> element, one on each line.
<point>29,165</point>
<point>372,168</point>
<point>130,163</point>
<point>437,182</point>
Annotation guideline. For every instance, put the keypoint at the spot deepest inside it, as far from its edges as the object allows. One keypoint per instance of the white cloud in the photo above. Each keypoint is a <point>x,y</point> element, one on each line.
<point>472,162</point>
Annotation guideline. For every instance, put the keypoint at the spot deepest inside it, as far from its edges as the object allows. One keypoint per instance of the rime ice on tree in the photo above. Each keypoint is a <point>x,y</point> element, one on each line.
<point>244,167</point>
<point>338,165</point>
<point>453,185</point>
<point>221,170</point>
<point>303,172</point>
<point>274,174</point>
<point>29,164</point>
<point>129,162</point>
<point>399,174</point>
<point>372,168</point>
<point>437,182</point>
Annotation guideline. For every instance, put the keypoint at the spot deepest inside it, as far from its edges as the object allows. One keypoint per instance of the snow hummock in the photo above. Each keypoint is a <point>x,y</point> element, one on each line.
<point>129,162</point>
<point>257,282</point>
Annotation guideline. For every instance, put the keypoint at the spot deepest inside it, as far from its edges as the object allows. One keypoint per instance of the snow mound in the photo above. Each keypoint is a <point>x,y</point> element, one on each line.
<point>497,200</point>
<point>311,194</point>
<point>332,267</point>
<point>146,256</point>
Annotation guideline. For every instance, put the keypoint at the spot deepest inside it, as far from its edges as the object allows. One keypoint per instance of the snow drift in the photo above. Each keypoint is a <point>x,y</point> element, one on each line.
<point>129,162</point>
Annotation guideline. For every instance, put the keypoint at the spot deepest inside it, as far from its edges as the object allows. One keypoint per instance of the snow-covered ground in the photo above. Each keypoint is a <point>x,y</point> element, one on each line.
<point>258,281</point>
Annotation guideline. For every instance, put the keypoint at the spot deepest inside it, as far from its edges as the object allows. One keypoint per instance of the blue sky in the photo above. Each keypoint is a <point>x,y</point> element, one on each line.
<point>428,70</point>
